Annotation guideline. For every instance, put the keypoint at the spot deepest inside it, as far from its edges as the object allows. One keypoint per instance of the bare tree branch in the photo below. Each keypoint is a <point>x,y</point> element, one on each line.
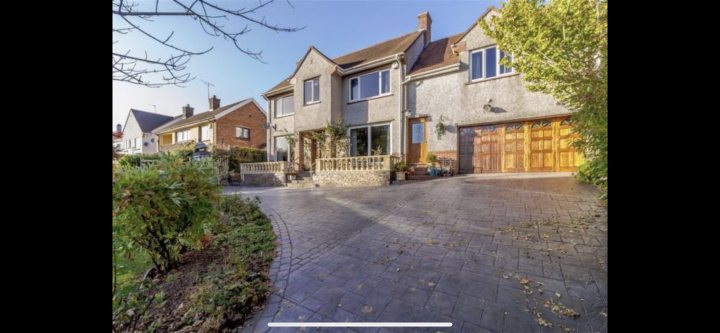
<point>170,70</point>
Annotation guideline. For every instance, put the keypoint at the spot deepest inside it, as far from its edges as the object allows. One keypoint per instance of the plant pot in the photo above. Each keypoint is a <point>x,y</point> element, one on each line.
<point>400,175</point>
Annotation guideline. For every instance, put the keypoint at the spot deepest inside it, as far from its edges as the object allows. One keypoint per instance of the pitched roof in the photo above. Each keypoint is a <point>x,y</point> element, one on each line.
<point>362,56</point>
<point>204,115</point>
<point>377,51</point>
<point>437,54</point>
<point>482,16</point>
<point>148,121</point>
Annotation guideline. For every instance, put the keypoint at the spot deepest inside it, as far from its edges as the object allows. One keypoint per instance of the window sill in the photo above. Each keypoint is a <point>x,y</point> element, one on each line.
<point>311,103</point>
<point>492,78</point>
<point>285,115</point>
<point>369,99</point>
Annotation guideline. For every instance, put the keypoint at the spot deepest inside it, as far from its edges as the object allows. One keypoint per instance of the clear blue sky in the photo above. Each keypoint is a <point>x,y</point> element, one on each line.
<point>334,27</point>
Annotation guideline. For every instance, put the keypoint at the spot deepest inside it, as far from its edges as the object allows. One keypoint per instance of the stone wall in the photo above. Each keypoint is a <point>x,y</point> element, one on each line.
<point>352,178</point>
<point>264,179</point>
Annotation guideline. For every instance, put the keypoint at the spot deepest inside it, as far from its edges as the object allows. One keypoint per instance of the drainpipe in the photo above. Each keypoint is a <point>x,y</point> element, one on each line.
<point>402,104</point>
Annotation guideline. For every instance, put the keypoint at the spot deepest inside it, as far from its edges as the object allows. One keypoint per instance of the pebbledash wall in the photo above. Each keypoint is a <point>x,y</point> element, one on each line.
<point>460,102</point>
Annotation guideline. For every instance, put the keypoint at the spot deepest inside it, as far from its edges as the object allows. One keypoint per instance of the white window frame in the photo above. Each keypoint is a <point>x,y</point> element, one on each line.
<point>275,147</point>
<point>312,93</point>
<point>390,151</point>
<point>380,84</point>
<point>185,135</point>
<point>279,100</point>
<point>205,136</point>
<point>483,65</point>
<point>242,130</point>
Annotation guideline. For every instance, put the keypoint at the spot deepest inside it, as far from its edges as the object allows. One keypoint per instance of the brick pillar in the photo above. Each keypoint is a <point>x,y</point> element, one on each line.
<point>299,152</point>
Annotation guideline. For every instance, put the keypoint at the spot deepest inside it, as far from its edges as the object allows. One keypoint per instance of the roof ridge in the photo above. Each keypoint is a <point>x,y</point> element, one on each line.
<point>373,45</point>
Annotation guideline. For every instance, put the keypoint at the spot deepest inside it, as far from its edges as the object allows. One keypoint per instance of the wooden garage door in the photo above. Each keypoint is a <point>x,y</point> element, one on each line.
<point>541,145</point>
<point>514,148</point>
<point>479,149</point>
<point>542,157</point>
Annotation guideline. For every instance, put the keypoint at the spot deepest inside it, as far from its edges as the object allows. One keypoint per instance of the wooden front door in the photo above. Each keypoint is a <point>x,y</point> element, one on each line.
<point>417,141</point>
<point>514,148</point>
<point>542,157</point>
<point>487,149</point>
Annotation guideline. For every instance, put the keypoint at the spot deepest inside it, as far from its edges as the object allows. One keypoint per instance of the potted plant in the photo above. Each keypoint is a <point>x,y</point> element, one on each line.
<point>432,159</point>
<point>400,169</point>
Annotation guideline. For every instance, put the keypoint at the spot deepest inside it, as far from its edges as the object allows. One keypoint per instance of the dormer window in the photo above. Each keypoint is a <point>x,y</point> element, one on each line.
<point>312,91</point>
<point>370,85</point>
<point>485,63</point>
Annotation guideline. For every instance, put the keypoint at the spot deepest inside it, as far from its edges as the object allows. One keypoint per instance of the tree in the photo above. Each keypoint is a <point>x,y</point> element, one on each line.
<point>560,47</point>
<point>137,68</point>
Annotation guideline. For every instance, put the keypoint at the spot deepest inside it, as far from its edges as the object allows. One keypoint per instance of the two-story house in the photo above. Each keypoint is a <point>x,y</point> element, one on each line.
<point>137,135</point>
<point>239,124</point>
<point>392,96</point>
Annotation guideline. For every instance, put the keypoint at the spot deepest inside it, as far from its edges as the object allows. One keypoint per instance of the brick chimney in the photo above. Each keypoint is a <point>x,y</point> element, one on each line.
<point>187,111</point>
<point>425,23</point>
<point>214,103</point>
<point>118,128</point>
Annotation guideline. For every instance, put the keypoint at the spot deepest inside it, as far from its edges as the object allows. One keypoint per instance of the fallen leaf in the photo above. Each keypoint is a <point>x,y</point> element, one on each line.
<point>524,281</point>
<point>557,294</point>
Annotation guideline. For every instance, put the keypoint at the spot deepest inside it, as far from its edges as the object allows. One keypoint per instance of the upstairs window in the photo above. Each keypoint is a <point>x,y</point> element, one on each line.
<point>370,85</point>
<point>284,106</point>
<point>485,63</point>
<point>242,133</point>
<point>312,91</point>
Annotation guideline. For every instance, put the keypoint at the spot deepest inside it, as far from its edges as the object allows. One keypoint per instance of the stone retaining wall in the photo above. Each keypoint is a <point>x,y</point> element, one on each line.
<point>264,179</point>
<point>352,178</point>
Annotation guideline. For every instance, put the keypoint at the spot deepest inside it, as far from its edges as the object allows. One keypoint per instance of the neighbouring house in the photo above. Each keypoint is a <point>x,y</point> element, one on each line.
<point>137,136</point>
<point>239,124</point>
<point>117,137</point>
<point>412,95</point>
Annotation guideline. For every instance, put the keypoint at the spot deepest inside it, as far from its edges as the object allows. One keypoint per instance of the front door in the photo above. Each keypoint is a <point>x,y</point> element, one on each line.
<point>417,149</point>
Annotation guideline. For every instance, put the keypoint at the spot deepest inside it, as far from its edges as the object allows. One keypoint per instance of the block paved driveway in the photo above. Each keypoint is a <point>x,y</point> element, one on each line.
<point>489,254</point>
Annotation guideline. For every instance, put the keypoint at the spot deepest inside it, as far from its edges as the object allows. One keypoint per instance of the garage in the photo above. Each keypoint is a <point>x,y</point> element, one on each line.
<point>543,145</point>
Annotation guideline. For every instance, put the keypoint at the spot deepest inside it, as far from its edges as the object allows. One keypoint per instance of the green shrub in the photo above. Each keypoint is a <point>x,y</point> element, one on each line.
<point>165,206</point>
<point>137,159</point>
<point>239,155</point>
<point>401,166</point>
<point>431,158</point>
<point>595,172</point>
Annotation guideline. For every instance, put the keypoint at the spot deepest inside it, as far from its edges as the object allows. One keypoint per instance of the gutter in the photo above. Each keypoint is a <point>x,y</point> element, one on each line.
<point>438,71</point>
<point>373,63</point>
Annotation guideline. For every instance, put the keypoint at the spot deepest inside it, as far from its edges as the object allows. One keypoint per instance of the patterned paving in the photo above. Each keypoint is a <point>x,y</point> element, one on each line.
<point>523,253</point>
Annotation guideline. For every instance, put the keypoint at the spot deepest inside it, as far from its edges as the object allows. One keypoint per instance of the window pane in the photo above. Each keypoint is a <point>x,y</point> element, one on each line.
<point>476,65</point>
<point>490,62</point>
<point>288,105</point>
<point>369,85</point>
<point>359,141</point>
<point>308,91</point>
<point>418,133</point>
<point>238,132</point>
<point>316,90</point>
<point>278,107</point>
<point>505,69</point>
<point>354,89</point>
<point>281,149</point>
<point>385,81</point>
<point>380,139</point>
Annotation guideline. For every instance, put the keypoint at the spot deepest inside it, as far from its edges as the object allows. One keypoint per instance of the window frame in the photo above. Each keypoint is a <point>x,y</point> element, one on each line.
<point>380,85</point>
<point>312,93</point>
<point>483,64</point>
<point>279,100</point>
<point>242,130</point>
<point>369,141</point>
<point>200,132</point>
<point>290,150</point>
<point>187,132</point>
